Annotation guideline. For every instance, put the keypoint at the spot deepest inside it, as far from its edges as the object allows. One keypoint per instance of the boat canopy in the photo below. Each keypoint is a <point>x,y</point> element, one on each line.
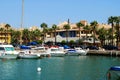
<point>115,68</point>
<point>33,43</point>
<point>66,47</point>
<point>24,47</point>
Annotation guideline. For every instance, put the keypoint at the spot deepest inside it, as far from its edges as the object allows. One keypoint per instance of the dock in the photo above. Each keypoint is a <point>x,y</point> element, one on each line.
<point>104,53</point>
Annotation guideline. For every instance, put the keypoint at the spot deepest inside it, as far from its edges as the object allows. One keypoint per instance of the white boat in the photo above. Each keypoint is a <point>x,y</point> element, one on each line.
<point>28,54</point>
<point>8,52</point>
<point>76,52</point>
<point>56,52</point>
<point>42,51</point>
<point>113,73</point>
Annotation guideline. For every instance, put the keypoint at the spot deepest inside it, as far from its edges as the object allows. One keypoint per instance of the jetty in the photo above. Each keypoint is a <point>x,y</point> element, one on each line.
<point>104,52</point>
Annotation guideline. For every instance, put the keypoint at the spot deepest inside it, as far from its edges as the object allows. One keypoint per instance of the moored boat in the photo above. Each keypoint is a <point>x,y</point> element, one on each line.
<point>76,52</point>
<point>27,54</point>
<point>55,52</point>
<point>42,51</point>
<point>8,52</point>
<point>113,73</point>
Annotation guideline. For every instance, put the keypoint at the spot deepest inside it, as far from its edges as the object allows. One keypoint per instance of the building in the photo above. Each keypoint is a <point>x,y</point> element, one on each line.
<point>5,37</point>
<point>73,33</point>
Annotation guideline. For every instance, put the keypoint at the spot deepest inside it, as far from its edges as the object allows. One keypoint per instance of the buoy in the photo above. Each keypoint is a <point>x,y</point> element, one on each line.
<point>38,55</point>
<point>38,69</point>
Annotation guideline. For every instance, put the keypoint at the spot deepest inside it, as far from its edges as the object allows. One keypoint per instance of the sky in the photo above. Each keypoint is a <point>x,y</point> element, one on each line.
<point>56,11</point>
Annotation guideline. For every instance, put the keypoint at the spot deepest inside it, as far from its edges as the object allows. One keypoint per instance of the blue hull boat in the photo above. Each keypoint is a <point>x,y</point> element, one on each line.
<point>113,73</point>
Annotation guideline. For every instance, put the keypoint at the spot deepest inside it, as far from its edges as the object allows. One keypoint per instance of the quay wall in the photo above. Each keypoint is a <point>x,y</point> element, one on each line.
<point>104,53</point>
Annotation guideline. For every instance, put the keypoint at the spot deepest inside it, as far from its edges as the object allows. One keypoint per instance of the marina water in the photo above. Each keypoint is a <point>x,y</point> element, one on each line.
<point>58,68</point>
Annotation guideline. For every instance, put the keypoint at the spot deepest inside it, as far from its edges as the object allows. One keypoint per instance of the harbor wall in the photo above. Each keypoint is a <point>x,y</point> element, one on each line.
<point>104,53</point>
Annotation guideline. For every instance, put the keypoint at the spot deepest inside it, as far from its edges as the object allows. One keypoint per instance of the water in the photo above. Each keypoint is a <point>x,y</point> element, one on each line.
<point>58,68</point>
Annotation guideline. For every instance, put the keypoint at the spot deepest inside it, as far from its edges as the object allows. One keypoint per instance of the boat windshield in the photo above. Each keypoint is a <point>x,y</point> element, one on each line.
<point>9,49</point>
<point>39,48</point>
<point>54,49</point>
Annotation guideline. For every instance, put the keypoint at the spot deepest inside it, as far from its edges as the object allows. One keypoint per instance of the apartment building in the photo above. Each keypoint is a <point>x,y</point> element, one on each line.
<point>5,37</point>
<point>73,33</point>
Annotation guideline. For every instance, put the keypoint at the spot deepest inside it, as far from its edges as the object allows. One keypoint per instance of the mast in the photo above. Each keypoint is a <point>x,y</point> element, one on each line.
<point>22,22</point>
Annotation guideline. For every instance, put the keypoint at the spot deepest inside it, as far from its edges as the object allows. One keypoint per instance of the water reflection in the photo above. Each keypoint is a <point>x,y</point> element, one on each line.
<point>82,57</point>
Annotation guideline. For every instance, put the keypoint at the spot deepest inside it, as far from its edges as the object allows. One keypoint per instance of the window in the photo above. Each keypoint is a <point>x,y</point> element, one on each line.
<point>1,48</point>
<point>9,48</point>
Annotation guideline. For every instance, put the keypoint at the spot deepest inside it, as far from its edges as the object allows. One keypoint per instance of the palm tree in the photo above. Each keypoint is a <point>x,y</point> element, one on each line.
<point>102,35</point>
<point>94,25</point>
<point>44,26</point>
<point>54,27</point>
<point>1,29</point>
<point>119,28</point>
<point>15,36</point>
<point>7,26</point>
<point>79,25</point>
<point>26,36</point>
<point>35,35</point>
<point>117,21</point>
<point>109,35</point>
<point>111,20</point>
<point>87,30</point>
<point>66,27</point>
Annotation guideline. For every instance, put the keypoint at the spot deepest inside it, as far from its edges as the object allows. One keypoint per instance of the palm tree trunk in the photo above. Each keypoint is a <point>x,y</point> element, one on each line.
<point>94,38</point>
<point>55,37</point>
<point>43,38</point>
<point>112,33</point>
<point>67,36</point>
<point>79,36</point>
<point>118,35</point>
<point>86,38</point>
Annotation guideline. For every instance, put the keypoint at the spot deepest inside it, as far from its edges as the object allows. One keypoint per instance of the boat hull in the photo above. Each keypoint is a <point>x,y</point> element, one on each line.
<point>76,53</point>
<point>72,54</point>
<point>9,56</point>
<point>28,56</point>
<point>57,54</point>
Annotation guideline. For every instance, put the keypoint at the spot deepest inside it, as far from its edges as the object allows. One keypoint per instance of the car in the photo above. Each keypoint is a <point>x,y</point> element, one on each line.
<point>110,47</point>
<point>92,47</point>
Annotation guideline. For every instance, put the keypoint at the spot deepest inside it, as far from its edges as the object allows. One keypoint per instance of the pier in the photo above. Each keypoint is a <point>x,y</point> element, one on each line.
<point>104,53</point>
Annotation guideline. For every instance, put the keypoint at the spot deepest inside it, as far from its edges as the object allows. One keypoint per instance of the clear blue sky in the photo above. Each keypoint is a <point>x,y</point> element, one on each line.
<point>55,11</point>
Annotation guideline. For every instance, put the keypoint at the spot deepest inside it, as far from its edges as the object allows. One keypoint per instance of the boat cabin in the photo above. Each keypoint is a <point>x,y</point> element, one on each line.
<point>6,48</point>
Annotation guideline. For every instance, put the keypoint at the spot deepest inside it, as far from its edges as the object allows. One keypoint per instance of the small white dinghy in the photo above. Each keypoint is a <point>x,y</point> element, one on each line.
<point>27,54</point>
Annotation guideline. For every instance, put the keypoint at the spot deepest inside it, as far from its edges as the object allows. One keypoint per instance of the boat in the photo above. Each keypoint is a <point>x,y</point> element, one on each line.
<point>28,54</point>
<point>55,52</point>
<point>8,52</point>
<point>41,50</point>
<point>113,73</point>
<point>76,52</point>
